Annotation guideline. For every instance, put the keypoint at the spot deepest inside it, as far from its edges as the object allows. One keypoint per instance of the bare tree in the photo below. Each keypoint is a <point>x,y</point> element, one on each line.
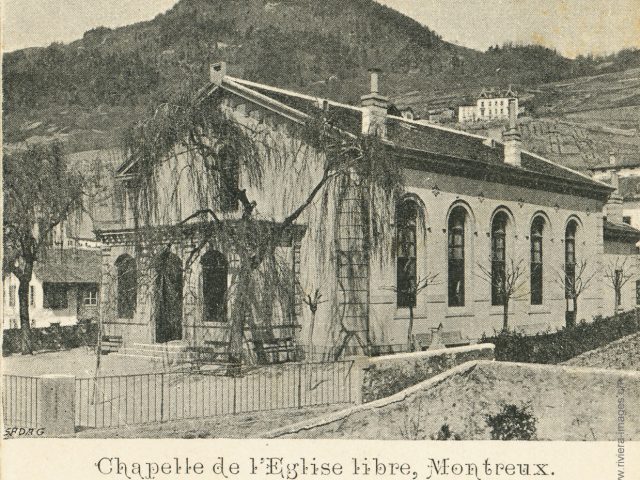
<point>618,273</point>
<point>414,287</point>
<point>313,301</point>
<point>509,284</point>
<point>575,280</point>
<point>341,169</point>
<point>40,192</point>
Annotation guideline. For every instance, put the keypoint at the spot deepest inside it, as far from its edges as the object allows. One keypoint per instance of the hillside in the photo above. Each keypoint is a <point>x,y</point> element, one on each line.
<point>87,91</point>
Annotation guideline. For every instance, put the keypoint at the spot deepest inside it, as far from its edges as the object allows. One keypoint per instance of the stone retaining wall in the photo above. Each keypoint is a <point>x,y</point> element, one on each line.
<point>384,376</point>
<point>569,404</point>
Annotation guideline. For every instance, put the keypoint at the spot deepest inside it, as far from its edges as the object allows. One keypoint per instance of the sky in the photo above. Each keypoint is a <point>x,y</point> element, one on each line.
<point>573,27</point>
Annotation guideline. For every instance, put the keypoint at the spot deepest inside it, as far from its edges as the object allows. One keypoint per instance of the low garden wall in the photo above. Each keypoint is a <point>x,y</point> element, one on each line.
<point>384,376</point>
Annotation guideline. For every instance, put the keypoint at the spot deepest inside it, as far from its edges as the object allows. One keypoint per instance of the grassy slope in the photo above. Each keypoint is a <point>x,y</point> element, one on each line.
<point>623,354</point>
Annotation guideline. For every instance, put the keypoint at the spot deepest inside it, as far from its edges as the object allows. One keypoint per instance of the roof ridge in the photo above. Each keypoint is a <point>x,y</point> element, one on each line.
<point>236,84</point>
<point>438,127</point>
<point>318,100</point>
<point>546,160</point>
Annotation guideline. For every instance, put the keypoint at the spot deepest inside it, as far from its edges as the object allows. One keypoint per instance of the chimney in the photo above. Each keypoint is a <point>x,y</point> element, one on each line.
<point>613,207</point>
<point>615,180</point>
<point>511,138</point>
<point>374,109</point>
<point>217,71</point>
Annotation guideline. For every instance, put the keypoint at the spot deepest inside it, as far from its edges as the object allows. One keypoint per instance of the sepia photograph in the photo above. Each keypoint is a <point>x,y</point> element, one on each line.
<point>413,220</point>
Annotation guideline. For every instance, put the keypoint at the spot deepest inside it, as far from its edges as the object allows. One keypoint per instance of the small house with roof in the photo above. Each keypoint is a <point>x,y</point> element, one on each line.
<point>483,206</point>
<point>63,290</point>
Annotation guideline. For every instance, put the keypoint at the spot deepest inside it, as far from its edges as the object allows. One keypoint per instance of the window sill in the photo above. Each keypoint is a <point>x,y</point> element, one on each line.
<point>539,310</point>
<point>498,310</point>
<point>459,312</point>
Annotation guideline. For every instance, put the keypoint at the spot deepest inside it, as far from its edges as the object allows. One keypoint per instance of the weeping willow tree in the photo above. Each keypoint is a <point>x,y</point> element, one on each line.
<point>228,166</point>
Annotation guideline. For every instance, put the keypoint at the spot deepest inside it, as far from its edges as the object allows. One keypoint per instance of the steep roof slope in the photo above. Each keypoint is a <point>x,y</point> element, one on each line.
<point>426,138</point>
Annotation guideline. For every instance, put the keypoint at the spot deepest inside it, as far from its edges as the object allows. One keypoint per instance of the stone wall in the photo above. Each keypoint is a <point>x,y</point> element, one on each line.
<point>384,376</point>
<point>569,404</point>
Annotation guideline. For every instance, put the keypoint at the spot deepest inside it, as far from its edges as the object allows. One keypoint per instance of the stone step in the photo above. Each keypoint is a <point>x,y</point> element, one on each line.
<point>161,346</point>
<point>136,355</point>
<point>156,351</point>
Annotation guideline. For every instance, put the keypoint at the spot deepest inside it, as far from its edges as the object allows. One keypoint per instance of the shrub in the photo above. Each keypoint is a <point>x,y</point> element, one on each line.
<point>445,433</point>
<point>559,346</point>
<point>512,423</point>
<point>54,337</point>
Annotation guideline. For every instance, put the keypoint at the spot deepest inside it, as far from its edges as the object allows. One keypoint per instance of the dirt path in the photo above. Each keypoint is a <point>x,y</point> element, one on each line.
<point>229,426</point>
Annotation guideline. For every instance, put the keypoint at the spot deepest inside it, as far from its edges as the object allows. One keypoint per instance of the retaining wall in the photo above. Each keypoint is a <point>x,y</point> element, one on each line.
<point>384,376</point>
<point>569,403</point>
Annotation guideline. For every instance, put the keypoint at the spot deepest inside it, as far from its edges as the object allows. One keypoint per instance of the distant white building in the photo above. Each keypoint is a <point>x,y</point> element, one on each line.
<point>490,105</point>
<point>466,113</point>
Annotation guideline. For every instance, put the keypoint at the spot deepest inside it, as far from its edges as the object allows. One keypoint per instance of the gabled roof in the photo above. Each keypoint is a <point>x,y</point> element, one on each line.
<point>497,93</point>
<point>421,139</point>
<point>69,266</point>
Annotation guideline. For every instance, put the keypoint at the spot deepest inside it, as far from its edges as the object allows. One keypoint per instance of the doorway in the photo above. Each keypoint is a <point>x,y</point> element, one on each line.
<point>168,298</point>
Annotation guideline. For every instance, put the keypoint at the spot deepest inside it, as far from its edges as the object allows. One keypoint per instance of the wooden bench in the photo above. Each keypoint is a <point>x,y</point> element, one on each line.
<point>273,351</point>
<point>453,338</point>
<point>450,338</point>
<point>421,341</point>
<point>214,351</point>
<point>110,343</point>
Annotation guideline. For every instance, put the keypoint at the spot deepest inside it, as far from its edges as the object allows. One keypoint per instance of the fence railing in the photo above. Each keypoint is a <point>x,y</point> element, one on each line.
<point>159,397</point>
<point>20,400</point>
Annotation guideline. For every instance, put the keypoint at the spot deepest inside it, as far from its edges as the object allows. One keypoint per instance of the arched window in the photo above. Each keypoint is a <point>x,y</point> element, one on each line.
<point>126,286</point>
<point>537,228</point>
<point>406,277</point>
<point>456,257</point>
<point>570,258</point>
<point>214,286</point>
<point>498,257</point>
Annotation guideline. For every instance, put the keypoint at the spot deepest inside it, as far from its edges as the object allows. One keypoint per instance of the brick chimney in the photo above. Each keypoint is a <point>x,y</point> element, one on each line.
<point>374,109</point>
<point>613,208</point>
<point>511,138</point>
<point>217,71</point>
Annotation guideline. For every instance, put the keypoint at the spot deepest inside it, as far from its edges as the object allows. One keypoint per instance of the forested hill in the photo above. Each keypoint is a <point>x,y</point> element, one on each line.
<point>100,82</point>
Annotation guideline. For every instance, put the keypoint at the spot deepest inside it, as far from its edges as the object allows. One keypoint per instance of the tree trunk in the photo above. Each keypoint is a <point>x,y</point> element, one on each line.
<point>23,301</point>
<point>410,330</point>
<point>574,316</point>
<point>310,341</point>
<point>505,316</point>
<point>236,334</point>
